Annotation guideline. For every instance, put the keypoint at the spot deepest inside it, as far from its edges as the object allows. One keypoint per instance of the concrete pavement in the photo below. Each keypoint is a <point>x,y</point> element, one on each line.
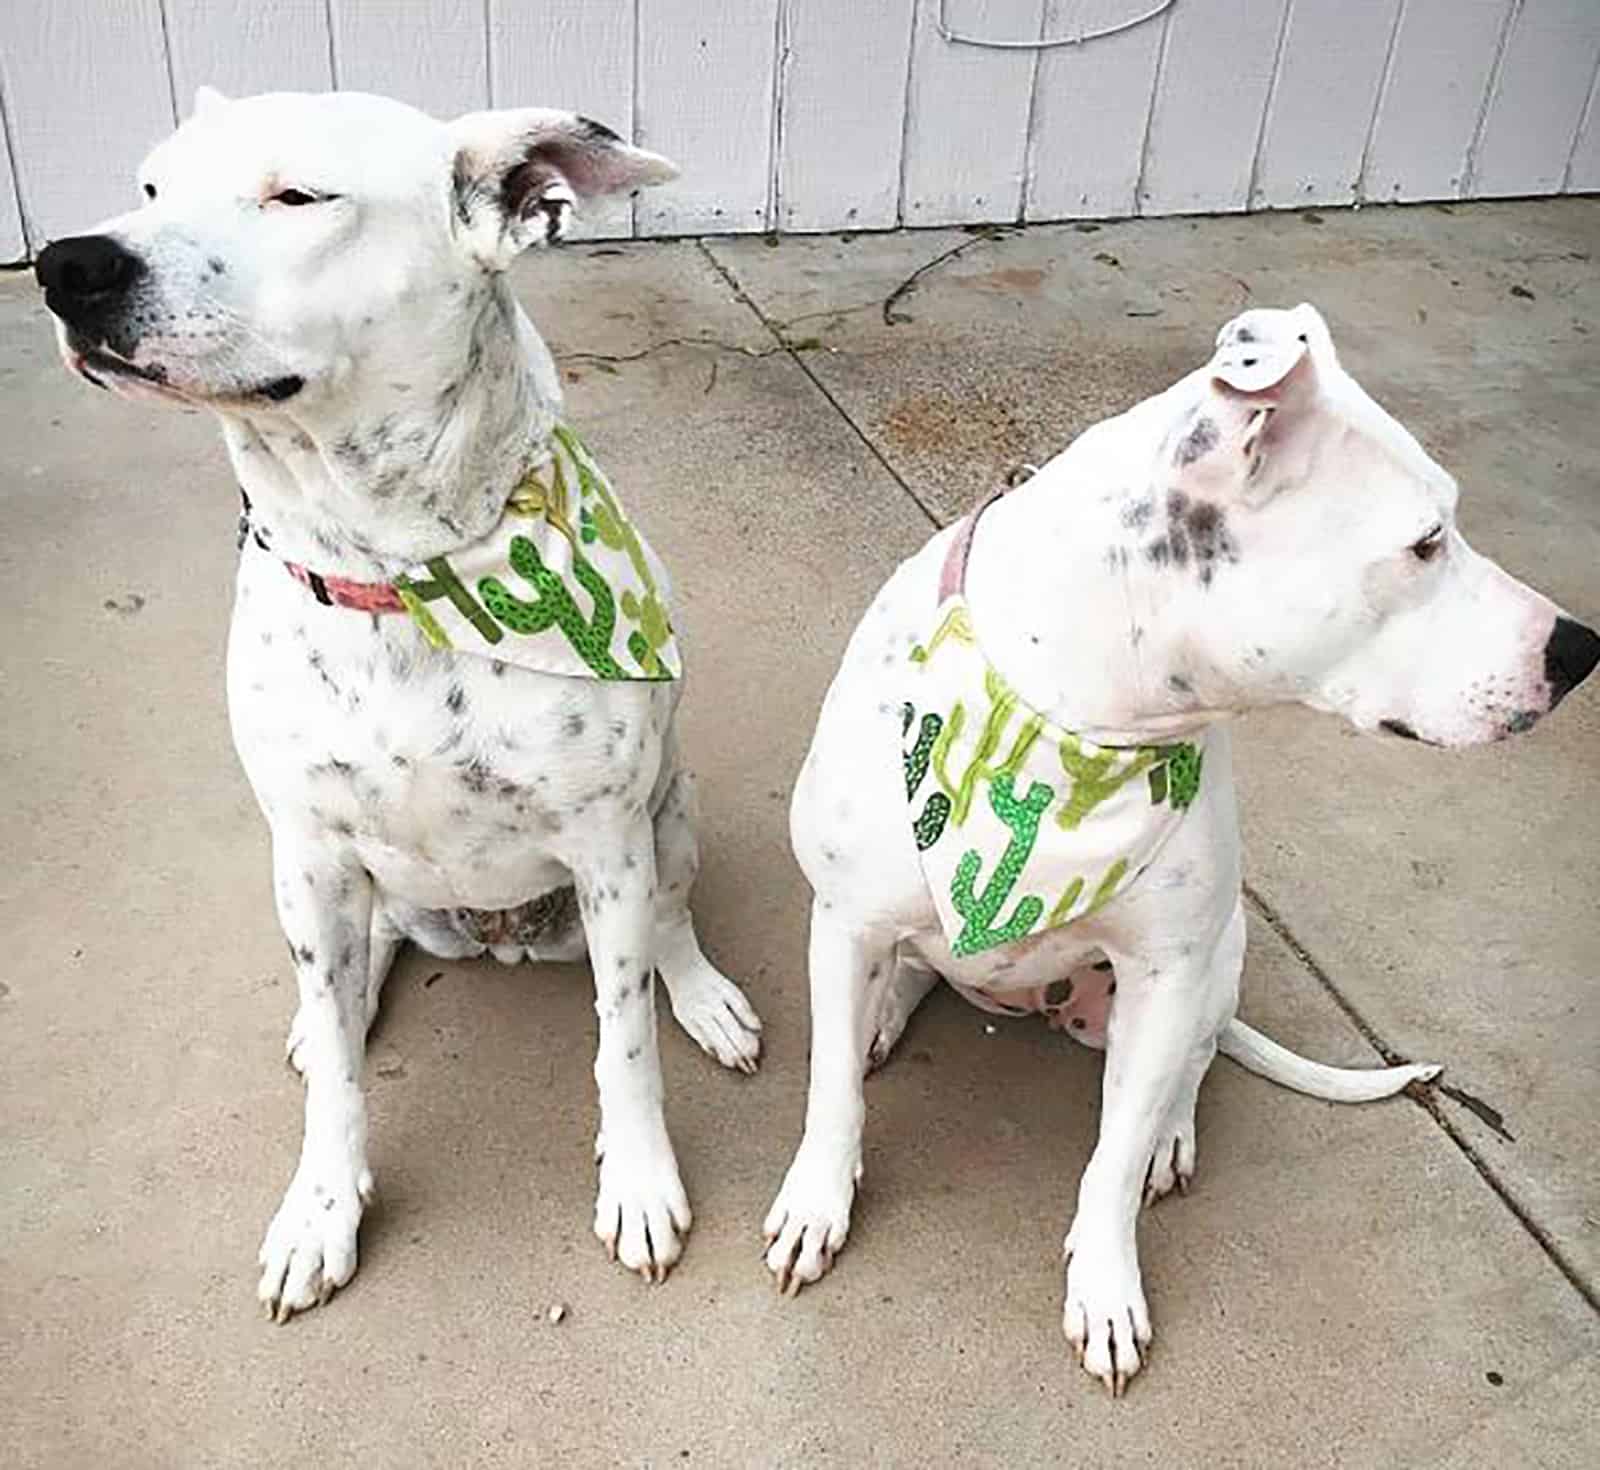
<point>1386,1285</point>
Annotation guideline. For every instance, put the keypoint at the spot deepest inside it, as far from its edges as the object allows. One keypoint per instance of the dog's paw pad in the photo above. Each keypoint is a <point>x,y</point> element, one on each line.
<point>310,1246</point>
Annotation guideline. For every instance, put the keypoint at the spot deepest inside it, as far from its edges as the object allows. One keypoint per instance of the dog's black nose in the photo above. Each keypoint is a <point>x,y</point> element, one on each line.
<point>83,274</point>
<point>1569,656</point>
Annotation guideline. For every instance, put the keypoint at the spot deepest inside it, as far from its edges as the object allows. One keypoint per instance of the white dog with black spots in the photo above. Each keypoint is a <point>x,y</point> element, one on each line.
<point>327,273</point>
<point>1260,533</point>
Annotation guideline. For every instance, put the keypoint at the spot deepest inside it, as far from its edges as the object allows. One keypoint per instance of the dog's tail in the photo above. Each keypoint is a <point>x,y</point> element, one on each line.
<point>1263,1056</point>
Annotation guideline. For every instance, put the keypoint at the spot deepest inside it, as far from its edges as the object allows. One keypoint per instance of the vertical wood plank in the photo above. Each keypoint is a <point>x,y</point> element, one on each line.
<point>1444,52</point>
<point>576,56</point>
<point>13,244</point>
<point>1538,99</point>
<point>1329,72</point>
<point>88,95</point>
<point>430,53</point>
<point>1583,172</point>
<point>967,114</point>
<point>1091,104</point>
<point>843,114</point>
<point>705,97</point>
<point>1216,69</point>
<point>242,47</point>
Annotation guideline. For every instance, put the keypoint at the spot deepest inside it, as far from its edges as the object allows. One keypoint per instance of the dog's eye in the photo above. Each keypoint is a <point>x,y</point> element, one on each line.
<point>295,197</point>
<point>1429,546</point>
<point>149,191</point>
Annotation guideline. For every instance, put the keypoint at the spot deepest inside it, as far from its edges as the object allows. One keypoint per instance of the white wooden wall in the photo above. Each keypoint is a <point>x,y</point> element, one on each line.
<point>859,114</point>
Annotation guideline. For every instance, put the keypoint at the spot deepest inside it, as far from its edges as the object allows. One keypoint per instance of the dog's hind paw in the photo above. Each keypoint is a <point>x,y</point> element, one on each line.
<point>714,1011</point>
<point>294,1047</point>
<point>1172,1163</point>
<point>905,993</point>
<point>310,1246</point>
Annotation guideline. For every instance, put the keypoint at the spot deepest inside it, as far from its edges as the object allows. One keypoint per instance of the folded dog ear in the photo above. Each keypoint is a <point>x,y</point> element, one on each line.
<point>1263,373</point>
<point>518,175</point>
<point>1258,351</point>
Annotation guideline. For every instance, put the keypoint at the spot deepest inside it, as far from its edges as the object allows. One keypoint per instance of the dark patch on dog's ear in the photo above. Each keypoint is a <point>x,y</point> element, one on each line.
<point>537,185</point>
<point>596,131</point>
<point>1400,728</point>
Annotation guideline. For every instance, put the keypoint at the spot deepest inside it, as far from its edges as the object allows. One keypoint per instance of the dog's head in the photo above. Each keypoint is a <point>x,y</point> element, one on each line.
<point>288,244</point>
<point>1326,537</point>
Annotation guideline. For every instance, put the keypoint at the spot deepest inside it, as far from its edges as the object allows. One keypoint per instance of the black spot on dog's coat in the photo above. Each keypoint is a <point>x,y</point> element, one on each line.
<point>1137,515</point>
<point>1201,439</point>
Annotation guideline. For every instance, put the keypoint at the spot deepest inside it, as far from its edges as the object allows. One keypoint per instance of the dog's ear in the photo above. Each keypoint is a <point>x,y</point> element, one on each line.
<point>206,101</point>
<point>1263,374</point>
<point>518,175</point>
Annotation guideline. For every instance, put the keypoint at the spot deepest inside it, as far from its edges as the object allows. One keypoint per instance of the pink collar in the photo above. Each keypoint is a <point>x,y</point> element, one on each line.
<point>368,597</point>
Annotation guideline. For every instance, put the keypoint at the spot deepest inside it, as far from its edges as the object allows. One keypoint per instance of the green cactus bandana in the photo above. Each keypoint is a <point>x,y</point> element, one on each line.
<point>1022,826</point>
<point>564,584</point>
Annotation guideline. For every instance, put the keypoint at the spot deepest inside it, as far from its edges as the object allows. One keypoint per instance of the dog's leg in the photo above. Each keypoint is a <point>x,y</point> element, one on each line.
<point>907,990</point>
<point>383,944</point>
<point>1164,1027</point>
<point>641,1212</point>
<point>310,1247</point>
<point>810,1218</point>
<point>709,1006</point>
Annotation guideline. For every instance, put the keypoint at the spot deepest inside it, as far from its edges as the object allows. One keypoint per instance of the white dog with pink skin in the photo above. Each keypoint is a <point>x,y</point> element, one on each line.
<point>1020,780</point>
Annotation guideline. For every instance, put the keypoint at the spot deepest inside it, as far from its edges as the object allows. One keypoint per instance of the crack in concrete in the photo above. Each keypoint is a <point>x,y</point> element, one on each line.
<point>776,329</point>
<point>1426,1097</point>
<point>986,236</point>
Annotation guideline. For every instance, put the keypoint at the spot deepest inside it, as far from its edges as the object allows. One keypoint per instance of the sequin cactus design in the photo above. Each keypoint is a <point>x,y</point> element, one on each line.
<point>564,584</point>
<point>1027,825</point>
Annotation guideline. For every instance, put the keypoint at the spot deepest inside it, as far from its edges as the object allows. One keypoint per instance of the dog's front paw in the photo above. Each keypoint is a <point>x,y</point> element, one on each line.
<point>641,1213</point>
<point>310,1247</point>
<point>713,1010</point>
<point>810,1219</point>
<point>1105,1317</point>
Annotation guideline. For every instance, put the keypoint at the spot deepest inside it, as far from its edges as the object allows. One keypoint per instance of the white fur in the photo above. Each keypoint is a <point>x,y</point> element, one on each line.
<point>1298,504</point>
<point>402,784</point>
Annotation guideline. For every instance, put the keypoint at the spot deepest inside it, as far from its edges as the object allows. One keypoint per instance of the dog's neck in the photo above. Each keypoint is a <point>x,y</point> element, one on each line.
<point>1068,606</point>
<point>417,462</point>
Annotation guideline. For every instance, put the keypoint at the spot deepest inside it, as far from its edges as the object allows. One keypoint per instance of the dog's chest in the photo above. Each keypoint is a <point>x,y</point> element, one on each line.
<point>456,781</point>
